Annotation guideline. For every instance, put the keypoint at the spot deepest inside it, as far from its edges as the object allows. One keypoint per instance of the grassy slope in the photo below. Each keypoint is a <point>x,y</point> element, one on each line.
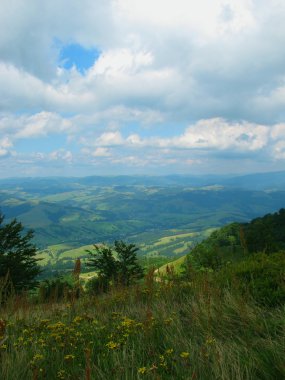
<point>155,331</point>
<point>177,266</point>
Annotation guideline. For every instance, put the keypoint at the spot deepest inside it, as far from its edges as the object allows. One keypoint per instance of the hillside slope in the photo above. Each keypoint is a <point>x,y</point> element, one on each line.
<point>234,242</point>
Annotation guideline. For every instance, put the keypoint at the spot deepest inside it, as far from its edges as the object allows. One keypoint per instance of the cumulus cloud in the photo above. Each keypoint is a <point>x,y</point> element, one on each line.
<point>61,155</point>
<point>215,66</point>
<point>220,134</point>
<point>29,126</point>
<point>212,136</point>
<point>209,59</point>
<point>5,144</point>
<point>101,152</point>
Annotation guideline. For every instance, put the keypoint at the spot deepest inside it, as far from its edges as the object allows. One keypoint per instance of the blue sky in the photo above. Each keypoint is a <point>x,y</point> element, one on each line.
<point>141,87</point>
<point>78,56</point>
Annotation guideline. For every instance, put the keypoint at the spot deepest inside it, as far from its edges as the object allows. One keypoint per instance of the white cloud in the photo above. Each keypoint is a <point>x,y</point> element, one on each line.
<point>220,134</point>
<point>279,150</point>
<point>101,152</point>
<point>217,66</point>
<point>206,18</point>
<point>5,144</point>
<point>110,139</point>
<point>113,62</point>
<point>29,126</point>
<point>184,59</point>
<point>61,155</point>
<point>211,134</point>
<point>130,161</point>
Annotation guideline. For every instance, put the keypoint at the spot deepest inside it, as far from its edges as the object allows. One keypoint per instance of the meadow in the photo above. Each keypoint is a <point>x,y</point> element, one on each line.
<point>176,328</point>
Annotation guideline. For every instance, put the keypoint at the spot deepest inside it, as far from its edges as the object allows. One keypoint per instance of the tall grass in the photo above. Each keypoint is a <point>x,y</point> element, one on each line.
<point>172,329</point>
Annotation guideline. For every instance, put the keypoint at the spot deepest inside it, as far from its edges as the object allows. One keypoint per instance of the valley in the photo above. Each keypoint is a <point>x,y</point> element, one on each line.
<point>164,216</point>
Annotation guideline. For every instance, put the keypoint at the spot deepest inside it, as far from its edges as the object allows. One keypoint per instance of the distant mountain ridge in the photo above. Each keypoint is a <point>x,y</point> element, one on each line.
<point>255,181</point>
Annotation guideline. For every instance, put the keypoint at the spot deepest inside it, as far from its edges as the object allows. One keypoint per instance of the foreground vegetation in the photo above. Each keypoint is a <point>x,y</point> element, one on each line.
<point>176,328</point>
<point>219,314</point>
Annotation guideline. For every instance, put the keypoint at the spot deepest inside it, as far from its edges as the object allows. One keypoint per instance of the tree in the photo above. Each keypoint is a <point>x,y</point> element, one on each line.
<point>128,268</point>
<point>18,255</point>
<point>117,263</point>
<point>103,261</point>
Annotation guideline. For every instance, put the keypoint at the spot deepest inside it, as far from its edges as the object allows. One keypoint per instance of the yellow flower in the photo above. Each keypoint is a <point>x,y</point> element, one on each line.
<point>169,351</point>
<point>142,370</point>
<point>210,341</point>
<point>184,355</point>
<point>69,357</point>
<point>38,357</point>
<point>112,345</point>
<point>61,374</point>
<point>168,321</point>
<point>77,319</point>
<point>127,322</point>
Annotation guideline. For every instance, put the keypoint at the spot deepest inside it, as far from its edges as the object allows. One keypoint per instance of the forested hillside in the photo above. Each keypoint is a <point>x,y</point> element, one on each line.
<point>236,241</point>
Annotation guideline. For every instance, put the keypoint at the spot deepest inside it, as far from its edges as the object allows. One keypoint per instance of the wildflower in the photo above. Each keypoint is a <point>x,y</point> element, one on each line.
<point>38,357</point>
<point>42,343</point>
<point>77,320</point>
<point>44,322</point>
<point>184,355</point>
<point>127,322</point>
<point>112,345</point>
<point>210,341</point>
<point>61,374</point>
<point>142,370</point>
<point>69,357</point>
<point>162,361</point>
<point>169,351</point>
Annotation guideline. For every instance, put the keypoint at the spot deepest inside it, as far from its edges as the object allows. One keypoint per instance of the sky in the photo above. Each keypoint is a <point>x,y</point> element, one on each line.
<point>106,87</point>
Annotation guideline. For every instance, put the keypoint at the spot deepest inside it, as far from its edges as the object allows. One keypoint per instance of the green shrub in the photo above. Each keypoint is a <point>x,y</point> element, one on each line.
<point>261,275</point>
<point>97,285</point>
<point>54,290</point>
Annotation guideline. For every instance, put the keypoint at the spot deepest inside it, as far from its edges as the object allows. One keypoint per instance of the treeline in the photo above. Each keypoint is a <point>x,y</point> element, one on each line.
<point>232,242</point>
<point>250,256</point>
